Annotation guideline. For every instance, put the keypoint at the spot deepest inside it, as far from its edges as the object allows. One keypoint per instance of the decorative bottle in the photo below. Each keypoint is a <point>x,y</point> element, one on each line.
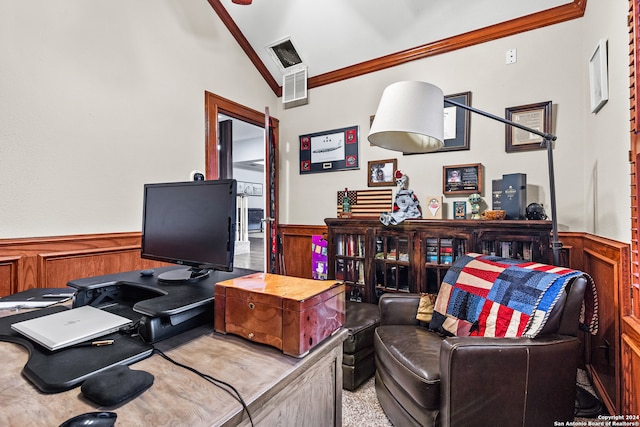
<point>346,206</point>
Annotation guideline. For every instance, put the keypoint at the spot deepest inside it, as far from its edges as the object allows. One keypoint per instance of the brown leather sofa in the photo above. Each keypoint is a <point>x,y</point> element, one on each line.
<point>425,379</point>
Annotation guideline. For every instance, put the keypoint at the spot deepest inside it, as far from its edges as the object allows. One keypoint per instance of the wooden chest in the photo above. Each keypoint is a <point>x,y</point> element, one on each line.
<point>289,313</point>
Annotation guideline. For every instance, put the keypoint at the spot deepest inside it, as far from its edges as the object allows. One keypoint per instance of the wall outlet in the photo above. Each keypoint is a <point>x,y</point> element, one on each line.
<point>512,56</point>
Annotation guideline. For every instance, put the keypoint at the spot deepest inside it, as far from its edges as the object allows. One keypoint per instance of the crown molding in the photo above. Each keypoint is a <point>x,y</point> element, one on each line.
<point>534,21</point>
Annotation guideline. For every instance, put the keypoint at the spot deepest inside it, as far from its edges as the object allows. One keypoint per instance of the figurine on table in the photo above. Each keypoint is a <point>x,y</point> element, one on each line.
<point>405,206</point>
<point>475,200</point>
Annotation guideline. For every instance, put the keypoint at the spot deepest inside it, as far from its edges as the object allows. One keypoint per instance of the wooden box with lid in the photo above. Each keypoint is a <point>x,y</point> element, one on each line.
<point>289,313</point>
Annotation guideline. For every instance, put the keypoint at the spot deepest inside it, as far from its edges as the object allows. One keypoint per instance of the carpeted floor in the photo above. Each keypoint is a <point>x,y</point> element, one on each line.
<point>361,407</point>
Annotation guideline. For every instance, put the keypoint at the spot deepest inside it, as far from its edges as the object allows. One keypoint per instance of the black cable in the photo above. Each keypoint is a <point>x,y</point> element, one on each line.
<point>212,380</point>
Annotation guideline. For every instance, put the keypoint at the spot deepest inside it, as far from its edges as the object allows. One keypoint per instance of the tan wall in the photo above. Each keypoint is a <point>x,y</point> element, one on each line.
<point>98,98</point>
<point>590,154</point>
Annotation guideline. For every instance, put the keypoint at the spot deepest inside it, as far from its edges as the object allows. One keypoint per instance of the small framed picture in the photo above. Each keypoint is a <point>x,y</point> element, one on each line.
<point>598,77</point>
<point>462,179</point>
<point>382,173</point>
<point>459,210</point>
<point>535,116</point>
<point>434,207</point>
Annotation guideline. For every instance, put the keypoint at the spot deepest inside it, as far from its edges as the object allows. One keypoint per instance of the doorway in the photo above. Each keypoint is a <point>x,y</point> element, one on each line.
<point>232,132</point>
<point>243,144</point>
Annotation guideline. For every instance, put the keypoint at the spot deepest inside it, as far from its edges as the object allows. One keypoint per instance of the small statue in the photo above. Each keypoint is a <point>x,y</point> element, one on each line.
<point>406,204</point>
<point>475,201</point>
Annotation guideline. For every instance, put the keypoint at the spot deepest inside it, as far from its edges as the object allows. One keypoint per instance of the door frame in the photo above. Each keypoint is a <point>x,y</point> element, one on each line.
<point>215,104</point>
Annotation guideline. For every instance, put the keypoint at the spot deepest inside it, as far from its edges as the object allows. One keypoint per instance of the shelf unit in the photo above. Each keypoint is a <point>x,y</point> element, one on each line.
<point>372,259</point>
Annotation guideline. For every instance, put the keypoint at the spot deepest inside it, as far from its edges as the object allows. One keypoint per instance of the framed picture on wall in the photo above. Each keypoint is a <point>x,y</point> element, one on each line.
<point>462,179</point>
<point>329,151</point>
<point>535,116</point>
<point>456,124</point>
<point>249,188</point>
<point>382,173</point>
<point>598,77</point>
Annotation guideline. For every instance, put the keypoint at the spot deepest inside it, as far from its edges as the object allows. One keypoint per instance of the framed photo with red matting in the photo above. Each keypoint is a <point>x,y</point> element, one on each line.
<point>329,151</point>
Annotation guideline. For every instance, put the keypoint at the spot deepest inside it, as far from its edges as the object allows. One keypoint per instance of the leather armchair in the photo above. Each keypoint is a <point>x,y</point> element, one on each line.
<point>425,379</point>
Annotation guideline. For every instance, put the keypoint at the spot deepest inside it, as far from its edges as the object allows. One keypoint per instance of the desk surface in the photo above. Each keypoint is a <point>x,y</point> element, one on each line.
<point>260,373</point>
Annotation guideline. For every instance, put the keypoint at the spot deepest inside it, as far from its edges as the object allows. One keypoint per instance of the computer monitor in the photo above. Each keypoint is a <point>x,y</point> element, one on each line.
<point>190,223</point>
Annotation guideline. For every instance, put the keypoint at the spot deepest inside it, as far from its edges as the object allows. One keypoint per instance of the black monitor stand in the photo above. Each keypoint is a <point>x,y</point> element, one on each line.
<point>163,308</point>
<point>183,275</point>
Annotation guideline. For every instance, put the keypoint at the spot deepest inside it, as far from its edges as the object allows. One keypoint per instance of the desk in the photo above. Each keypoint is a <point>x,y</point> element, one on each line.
<point>279,389</point>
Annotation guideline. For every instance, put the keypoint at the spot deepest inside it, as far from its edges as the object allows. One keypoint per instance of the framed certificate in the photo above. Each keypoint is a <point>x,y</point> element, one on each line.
<point>534,116</point>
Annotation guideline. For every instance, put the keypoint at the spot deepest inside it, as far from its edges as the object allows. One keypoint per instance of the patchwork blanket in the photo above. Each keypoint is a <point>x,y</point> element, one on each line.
<point>490,296</point>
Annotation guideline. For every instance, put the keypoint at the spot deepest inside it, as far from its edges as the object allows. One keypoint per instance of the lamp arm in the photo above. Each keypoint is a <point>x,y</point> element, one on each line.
<point>545,135</point>
<point>548,142</point>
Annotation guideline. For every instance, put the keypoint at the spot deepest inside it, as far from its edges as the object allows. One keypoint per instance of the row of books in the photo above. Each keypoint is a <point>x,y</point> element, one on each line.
<point>442,251</point>
<point>350,245</point>
<point>516,250</point>
<point>351,271</point>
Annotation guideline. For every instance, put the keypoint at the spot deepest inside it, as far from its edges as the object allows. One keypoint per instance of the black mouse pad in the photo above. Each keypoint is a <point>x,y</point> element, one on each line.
<point>53,372</point>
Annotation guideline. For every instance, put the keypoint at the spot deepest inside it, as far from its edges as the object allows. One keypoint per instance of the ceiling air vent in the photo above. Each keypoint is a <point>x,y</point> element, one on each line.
<point>294,87</point>
<point>284,54</point>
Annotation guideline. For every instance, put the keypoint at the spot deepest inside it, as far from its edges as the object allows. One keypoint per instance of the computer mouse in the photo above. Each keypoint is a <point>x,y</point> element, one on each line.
<point>93,419</point>
<point>147,273</point>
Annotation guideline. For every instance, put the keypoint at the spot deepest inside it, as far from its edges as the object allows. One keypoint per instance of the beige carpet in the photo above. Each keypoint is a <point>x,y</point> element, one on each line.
<point>361,408</point>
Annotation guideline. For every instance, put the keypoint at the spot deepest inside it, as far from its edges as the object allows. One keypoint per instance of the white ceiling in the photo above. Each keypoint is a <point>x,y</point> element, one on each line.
<point>333,34</point>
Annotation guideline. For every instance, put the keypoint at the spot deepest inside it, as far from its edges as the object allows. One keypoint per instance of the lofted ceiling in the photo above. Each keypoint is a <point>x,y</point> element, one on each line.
<point>339,39</point>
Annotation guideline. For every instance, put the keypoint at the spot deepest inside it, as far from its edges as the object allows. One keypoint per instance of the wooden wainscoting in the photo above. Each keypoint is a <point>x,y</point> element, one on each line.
<point>50,262</point>
<point>608,263</point>
<point>296,244</point>
<point>612,357</point>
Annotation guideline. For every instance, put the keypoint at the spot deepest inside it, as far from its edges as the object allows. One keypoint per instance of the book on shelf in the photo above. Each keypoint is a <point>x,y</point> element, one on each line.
<point>505,249</point>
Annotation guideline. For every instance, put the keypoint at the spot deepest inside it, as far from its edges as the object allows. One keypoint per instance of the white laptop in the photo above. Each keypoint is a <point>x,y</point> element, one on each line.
<point>66,328</point>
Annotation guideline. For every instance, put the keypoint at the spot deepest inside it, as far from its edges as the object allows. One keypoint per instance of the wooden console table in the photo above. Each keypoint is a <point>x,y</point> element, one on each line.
<point>278,389</point>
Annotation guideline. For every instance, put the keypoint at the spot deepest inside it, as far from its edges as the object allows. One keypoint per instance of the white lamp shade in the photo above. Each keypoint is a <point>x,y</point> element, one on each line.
<point>410,118</point>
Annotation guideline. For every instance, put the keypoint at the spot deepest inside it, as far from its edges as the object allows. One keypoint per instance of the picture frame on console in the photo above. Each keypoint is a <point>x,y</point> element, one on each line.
<point>536,116</point>
<point>381,173</point>
<point>462,179</point>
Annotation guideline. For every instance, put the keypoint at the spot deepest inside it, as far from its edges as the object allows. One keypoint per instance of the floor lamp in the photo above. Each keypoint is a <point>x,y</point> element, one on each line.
<point>410,119</point>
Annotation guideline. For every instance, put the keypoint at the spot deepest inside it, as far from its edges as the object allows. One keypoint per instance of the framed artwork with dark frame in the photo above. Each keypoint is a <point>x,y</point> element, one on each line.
<point>329,151</point>
<point>382,173</point>
<point>456,125</point>
<point>536,116</point>
<point>462,179</point>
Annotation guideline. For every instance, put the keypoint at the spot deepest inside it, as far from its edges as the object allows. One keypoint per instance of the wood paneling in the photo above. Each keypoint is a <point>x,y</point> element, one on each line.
<point>296,252</point>
<point>612,359</point>
<point>630,309</point>
<point>607,262</point>
<point>50,262</point>
<point>630,367</point>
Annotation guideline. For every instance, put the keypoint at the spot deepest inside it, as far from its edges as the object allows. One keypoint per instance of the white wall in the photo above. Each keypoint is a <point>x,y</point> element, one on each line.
<point>552,66</point>
<point>606,145</point>
<point>98,98</point>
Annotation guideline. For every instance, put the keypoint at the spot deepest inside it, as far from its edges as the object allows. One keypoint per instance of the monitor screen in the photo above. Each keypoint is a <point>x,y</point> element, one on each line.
<point>190,223</point>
